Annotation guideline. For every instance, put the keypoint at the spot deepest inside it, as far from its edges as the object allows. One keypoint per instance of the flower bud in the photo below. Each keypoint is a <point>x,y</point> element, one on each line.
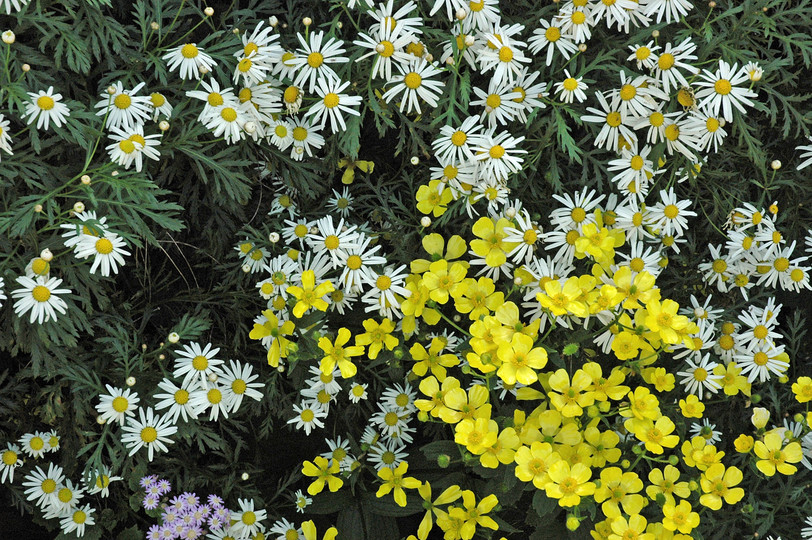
<point>111,90</point>
<point>510,212</point>
<point>212,377</point>
<point>573,523</point>
<point>443,461</point>
<point>130,381</point>
<point>307,21</point>
<point>26,68</point>
<point>101,421</point>
<point>339,25</point>
<point>79,207</point>
<point>582,47</point>
<point>273,21</point>
<point>162,357</point>
<point>398,353</point>
<point>760,417</point>
<point>469,41</point>
<point>425,221</point>
<point>154,26</point>
<point>655,34</point>
<point>174,337</point>
<point>693,485</point>
<point>673,460</point>
<point>461,14</point>
<point>9,37</point>
<point>163,125</point>
<point>625,464</point>
<point>755,398</point>
<point>246,268</point>
<point>85,179</point>
<point>415,160</point>
<point>249,127</point>
<point>46,255</point>
<point>423,416</point>
<point>273,237</point>
<point>209,11</point>
<point>776,164</point>
<point>114,173</point>
<point>245,476</point>
<point>450,61</point>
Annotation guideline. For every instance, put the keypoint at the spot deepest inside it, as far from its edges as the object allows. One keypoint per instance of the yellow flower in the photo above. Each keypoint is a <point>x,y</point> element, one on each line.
<point>434,244</point>
<point>744,443</point>
<point>533,462</point>
<point>324,473</point>
<point>489,242</point>
<point>732,381</point>
<point>660,378</point>
<point>395,481</point>
<point>718,483</point>
<point>433,198</point>
<point>597,243</point>
<point>655,435</point>
<point>476,435</point>
<point>603,388</point>
<point>626,345</point>
<point>442,280</point>
<point>449,495</point>
<point>563,300</point>
<point>698,453</point>
<point>473,514</point>
<point>665,482</point>
<point>570,398</point>
<point>336,353</point>
<point>618,488</point>
<point>691,407</point>
<point>415,305</point>
<point>773,456</point>
<point>280,345</point>
<point>502,451</point>
<point>663,318</point>
<point>432,359</point>
<point>569,484</point>
<point>633,529</point>
<point>309,295</point>
<point>519,360</point>
<point>310,533</point>
<point>638,289</point>
<point>377,336</point>
<point>349,174</point>
<point>680,517</point>
<point>460,405</point>
<point>604,445</point>
<point>431,388</point>
<point>479,298</point>
<point>802,388</point>
<point>642,404</point>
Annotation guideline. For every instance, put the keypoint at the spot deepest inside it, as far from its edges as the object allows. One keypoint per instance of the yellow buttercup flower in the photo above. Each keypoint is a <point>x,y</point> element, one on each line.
<point>476,435</point>
<point>337,353</point>
<point>432,359</point>
<point>691,407</point>
<point>570,397</point>
<point>280,345</point>
<point>533,462</point>
<point>718,484</point>
<point>309,295</point>
<point>396,482</point>
<point>473,514</point>
<point>680,517</point>
<point>744,443</point>
<point>618,488</point>
<point>480,298</point>
<point>443,280</point>
<point>433,198</point>
<point>449,495</point>
<point>569,484</point>
<point>435,405</point>
<point>666,482</point>
<point>774,456</point>
<point>377,336</point>
<point>437,248</point>
<point>520,360</point>
<point>655,435</point>
<point>324,473</point>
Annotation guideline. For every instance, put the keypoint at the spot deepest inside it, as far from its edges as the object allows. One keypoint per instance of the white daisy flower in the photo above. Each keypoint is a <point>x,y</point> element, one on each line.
<point>505,56</point>
<point>644,55</point>
<point>46,107</point>
<point>40,297</point>
<point>571,88</point>
<point>227,121</point>
<point>699,377</point>
<point>668,10</point>
<point>356,263</point>
<point>341,202</point>
<point>176,399</point>
<point>498,103</point>
<point>306,138</point>
<point>280,132</point>
<point>308,416</point>
<point>332,239</point>
<point>101,484</point>
<point>160,106</point>
<point>313,59</point>
<point>387,454</point>
<point>10,459</point>
<point>670,215</point>
<point>252,68</point>
<point>191,60</point>
<point>415,83</point>
<point>721,91</point>
<point>708,129</point>
<point>358,392</point>
<point>762,361</point>
<point>67,497</point>
<point>550,36</point>
<point>498,153</point>
<point>76,519</point>
<point>716,272</point>
<point>41,486</point>
<point>386,17</point>
<point>671,61</point>
<point>5,137</point>
<point>130,146</point>
<point>196,363</point>
<point>240,379</point>
<point>247,522</point>
<point>214,98</point>
<point>454,145</point>
<point>333,103</point>
<point>656,123</point>
<point>117,404</point>
<point>388,46</point>
<point>615,123</point>
<point>381,296</point>
<point>615,11</point>
<point>530,94</point>
<point>635,169</point>
<point>108,252</point>
<point>213,398</point>
<point>576,22</point>
<point>124,109</point>
<point>149,430</point>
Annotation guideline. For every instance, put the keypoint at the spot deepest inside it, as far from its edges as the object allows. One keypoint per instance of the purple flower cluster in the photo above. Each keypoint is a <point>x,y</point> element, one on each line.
<point>184,516</point>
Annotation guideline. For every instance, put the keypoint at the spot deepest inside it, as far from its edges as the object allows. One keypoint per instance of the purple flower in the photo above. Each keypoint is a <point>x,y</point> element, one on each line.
<point>169,516</point>
<point>215,500</point>
<point>177,526</point>
<point>167,533</point>
<point>150,502</point>
<point>215,523</point>
<point>178,503</point>
<point>148,480</point>
<point>154,533</point>
<point>164,486</point>
<point>191,533</point>
<point>191,498</point>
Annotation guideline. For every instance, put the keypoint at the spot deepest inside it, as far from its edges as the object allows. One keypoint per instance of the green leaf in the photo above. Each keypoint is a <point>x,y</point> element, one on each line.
<point>542,504</point>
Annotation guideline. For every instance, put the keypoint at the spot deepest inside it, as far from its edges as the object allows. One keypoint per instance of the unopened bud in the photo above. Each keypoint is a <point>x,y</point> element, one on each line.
<point>209,11</point>
<point>46,255</point>
<point>26,68</point>
<point>114,173</point>
<point>469,41</point>
<point>163,125</point>
<point>307,21</point>
<point>79,207</point>
<point>249,127</point>
<point>398,353</point>
<point>776,164</point>
<point>443,461</point>
<point>130,381</point>
<point>212,377</point>
<point>655,34</point>
<point>582,47</point>
<point>9,37</point>
<point>510,212</point>
<point>245,476</point>
<point>273,237</point>
<point>85,179</point>
<point>246,268</point>
<point>425,221</point>
<point>573,523</point>
<point>273,21</point>
<point>711,4</point>
<point>101,421</point>
<point>450,61</point>
<point>162,356</point>
<point>461,14</point>
<point>111,90</point>
<point>414,160</point>
<point>174,337</point>
<point>154,25</point>
<point>339,25</point>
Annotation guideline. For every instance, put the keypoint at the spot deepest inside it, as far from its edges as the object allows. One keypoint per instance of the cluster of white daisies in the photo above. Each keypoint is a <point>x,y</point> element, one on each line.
<point>88,237</point>
<point>203,385</point>
<point>50,490</point>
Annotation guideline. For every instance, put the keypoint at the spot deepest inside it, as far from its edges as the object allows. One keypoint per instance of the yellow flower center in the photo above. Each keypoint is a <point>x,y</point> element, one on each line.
<point>64,495</point>
<point>9,457</point>
<point>636,163</point>
<point>723,87</point>
<point>354,262</point>
<point>249,518</point>
<point>552,33</point>
<point>149,434</point>
<point>665,61</point>
<point>671,211</point>
<point>315,59</point>
<point>412,80</point>
<point>181,396</point>
<point>493,101</point>
<point>613,119</point>
<point>299,133</point>
<point>48,485</point>
<point>700,374</point>
<point>214,396</point>
<point>331,242</point>
<point>120,404</point>
<point>281,131</point>
<point>672,132</point>
<point>383,282</point>
<point>760,358</point>
<point>505,54</point>
<point>41,293</point>
<point>40,267</point>
<point>642,53</point>
<point>200,362</point>
<point>122,101</point>
<point>244,65</point>
<point>189,51</point>
<point>570,84</point>
<point>781,264</point>
<point>578,17</point>
<point>628,92</point>
<point>307,415</point>
<point>104,246</point>
<point>46,103</point>
<point>331,100</point>
<point>496,151</point>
